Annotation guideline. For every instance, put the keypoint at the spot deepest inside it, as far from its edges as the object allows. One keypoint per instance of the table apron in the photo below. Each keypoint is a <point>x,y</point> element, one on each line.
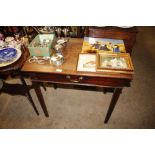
<point>80,80</point>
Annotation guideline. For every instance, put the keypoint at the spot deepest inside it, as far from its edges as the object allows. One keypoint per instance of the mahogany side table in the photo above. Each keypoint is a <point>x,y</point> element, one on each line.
<point>67,74</point>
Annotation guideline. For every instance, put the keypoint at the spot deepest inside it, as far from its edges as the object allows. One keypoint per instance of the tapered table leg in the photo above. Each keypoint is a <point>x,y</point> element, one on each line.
<point>113,102</point>
<point>28,95</point>
<point>40,98</point>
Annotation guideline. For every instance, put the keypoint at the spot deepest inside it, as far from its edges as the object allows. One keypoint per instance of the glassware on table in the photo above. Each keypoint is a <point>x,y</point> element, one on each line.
<point>58,31</point>
<point>66,31</point>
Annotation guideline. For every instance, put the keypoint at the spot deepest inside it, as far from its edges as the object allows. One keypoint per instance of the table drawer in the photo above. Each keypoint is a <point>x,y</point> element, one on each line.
<point>80,80</point>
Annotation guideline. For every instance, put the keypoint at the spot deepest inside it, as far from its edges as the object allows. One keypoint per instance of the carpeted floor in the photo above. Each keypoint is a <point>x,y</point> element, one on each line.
<point>74,108</point>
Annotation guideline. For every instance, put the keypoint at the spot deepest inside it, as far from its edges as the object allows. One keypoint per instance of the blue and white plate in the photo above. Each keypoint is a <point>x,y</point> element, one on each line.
<point>9,58</point>
<point>7,54</point>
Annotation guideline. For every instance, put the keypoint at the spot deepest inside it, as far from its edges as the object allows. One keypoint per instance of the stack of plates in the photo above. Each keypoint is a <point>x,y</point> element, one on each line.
<point>9,56</point>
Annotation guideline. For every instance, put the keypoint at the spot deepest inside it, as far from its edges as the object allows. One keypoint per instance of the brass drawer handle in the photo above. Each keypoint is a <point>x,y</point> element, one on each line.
<point>72,80</point>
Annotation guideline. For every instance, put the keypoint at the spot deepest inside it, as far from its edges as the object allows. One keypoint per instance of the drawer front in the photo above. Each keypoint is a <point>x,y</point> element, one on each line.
<point>80,80</point>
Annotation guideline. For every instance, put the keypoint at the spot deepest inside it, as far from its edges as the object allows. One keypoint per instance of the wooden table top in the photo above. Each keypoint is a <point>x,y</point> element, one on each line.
<point>69,67</point>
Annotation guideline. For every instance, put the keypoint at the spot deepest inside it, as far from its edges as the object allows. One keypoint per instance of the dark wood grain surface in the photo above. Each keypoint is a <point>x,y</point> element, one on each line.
<point>69,66</point>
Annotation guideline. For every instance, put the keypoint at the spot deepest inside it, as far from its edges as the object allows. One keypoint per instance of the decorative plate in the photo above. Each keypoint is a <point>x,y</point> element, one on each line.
<point>12,58</point>
<point>7,54</point>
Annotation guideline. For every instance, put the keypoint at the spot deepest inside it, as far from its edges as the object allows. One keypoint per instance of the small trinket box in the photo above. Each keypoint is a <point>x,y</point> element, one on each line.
<point>42,45</point>
<point>57,59</point>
